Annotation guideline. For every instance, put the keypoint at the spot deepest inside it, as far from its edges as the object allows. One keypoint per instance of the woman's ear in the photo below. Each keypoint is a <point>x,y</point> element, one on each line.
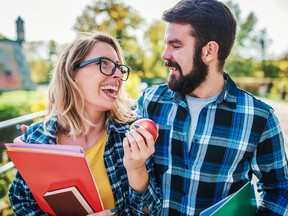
<point>210,52</point>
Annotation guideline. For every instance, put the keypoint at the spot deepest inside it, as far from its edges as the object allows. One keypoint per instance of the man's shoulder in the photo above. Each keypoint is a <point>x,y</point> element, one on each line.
<point>258,104</point>
<point>158,90</point>
<point>244,97</point>
<point>156,87</point>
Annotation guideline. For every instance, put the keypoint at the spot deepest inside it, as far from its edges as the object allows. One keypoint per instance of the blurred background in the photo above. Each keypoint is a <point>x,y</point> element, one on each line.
<point>33,34</point>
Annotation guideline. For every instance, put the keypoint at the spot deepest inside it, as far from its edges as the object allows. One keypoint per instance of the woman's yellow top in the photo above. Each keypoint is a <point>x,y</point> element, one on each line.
<point>95,157</point>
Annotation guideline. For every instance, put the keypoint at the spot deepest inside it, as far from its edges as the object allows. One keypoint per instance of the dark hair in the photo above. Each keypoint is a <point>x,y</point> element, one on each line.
<point>210,20</point>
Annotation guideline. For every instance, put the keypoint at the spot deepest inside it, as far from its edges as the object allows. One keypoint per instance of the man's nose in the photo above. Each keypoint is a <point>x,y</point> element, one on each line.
<point>166,54</point>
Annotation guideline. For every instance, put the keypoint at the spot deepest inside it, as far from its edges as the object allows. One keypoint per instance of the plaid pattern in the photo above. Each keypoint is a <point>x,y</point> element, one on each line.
<point>128,202</point>
<point>236,135</point>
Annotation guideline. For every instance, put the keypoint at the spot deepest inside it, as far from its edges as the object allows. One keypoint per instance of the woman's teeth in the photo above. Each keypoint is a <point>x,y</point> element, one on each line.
<point>109,87</point>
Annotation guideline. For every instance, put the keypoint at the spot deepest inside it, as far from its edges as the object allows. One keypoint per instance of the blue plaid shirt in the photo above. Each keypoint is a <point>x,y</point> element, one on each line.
<point>236,136</point>
<point>128,202</point>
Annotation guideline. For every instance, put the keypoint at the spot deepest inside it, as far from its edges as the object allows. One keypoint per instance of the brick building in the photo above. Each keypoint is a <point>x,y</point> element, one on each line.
<point>14,69</point>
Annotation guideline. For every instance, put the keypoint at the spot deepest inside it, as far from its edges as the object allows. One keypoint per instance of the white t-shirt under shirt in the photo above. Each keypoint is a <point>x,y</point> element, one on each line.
<point>195,106</point>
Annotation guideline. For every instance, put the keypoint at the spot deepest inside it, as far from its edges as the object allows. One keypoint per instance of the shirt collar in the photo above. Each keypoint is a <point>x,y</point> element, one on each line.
<point>228,96</point>
<point>51,126</point>
<point>116,127</point>
<point>174,96</point>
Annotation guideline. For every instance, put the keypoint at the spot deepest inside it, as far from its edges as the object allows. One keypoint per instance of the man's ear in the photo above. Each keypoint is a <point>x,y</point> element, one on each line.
<point>210,52</point>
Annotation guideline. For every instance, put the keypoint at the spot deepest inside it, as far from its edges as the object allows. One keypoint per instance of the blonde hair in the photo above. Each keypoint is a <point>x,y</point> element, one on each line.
<point>66,100</point>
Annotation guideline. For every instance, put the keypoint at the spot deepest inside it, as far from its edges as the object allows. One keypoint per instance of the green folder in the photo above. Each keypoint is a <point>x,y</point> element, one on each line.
<point>242,202</point>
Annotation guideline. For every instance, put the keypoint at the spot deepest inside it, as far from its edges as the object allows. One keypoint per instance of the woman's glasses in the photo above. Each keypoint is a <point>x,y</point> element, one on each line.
<point>108,67</point>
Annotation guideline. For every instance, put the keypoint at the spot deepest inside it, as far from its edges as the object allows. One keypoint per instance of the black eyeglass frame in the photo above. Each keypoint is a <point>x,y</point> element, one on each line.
<point>116,65</point>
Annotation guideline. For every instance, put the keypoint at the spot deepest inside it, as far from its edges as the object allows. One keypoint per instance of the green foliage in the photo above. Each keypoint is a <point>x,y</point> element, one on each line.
<point>238,67</point>
<point>41,57</point>
<point>11,111</point>
<point>281,67</point>
<point>5,181</point>
<point>246,28</point>
<point>118,19</point>
<point>16,103</point>
<point>247,42</point>
<point>113,17</point>
<point>271,70</point>
<point>40,69</point>
<point>134,55</point>
<point>132,86</point>
<point>153,64</point>
<point>279,85</point>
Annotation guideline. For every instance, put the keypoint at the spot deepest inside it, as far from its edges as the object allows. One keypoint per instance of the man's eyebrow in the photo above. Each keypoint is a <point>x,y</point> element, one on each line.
<point>174,41</point>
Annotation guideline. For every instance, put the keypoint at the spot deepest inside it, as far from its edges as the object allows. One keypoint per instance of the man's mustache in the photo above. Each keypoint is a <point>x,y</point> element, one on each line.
<point>169,63</point>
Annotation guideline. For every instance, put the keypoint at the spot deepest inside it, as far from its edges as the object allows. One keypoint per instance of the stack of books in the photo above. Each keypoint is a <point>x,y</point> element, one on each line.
<point>58,176</point>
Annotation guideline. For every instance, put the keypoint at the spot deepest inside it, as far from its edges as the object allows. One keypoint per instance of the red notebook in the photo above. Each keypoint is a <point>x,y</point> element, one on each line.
<point>52,167</point>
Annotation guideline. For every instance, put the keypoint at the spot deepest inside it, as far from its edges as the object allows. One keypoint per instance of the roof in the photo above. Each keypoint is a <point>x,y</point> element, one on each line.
<point>3,38</point>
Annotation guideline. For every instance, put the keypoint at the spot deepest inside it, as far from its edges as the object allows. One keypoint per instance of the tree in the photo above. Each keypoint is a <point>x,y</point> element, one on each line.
<point>113,17</point>
<point>118,19</point>
<point>35,50</point>
<point>39,70</point>
<point>41,57</point>
<point>248,42</point>
<point>154,44</point>
<point>247,39</point>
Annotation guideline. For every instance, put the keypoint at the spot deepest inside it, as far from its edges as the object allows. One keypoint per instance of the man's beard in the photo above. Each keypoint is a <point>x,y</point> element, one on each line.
<point>188,83</point>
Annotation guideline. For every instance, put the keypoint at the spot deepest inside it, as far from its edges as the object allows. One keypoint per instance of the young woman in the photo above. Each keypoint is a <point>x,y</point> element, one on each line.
<point>88,106</point>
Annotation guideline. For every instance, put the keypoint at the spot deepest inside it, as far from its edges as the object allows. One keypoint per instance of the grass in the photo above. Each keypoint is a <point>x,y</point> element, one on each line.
<point>17,103</point>
<point>21,97</point>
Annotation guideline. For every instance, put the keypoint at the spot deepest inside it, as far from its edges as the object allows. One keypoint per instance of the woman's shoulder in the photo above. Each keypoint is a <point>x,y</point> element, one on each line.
<point>37,133</point>
<point>35,126</point>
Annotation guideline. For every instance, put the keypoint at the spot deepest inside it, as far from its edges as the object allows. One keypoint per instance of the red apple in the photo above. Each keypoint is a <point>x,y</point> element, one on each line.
<point>147,124</point>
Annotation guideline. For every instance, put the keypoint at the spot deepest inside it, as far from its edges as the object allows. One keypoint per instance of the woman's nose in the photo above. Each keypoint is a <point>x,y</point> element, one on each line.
<point>118,73</point>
